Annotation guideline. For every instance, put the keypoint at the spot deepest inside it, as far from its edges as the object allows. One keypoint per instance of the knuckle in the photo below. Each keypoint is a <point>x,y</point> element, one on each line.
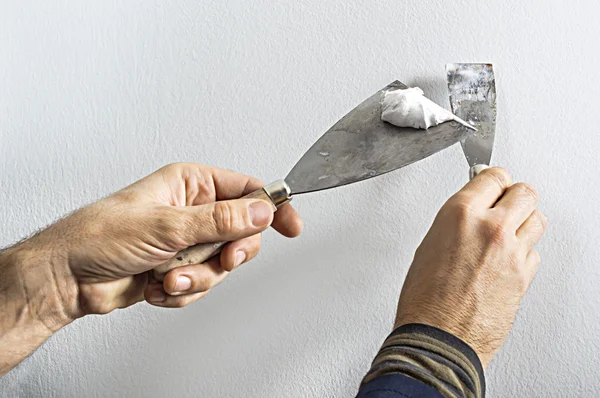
<point>224,217</point>
<point>172,167</point>
<point>204,187</point>
<point>100,309</point>
<point>252,184</point>
<point>92,301</point>
<point>535,258</point>
<point>497,175</point>
<point>459,209</point>
<point>534,229</point>
<point>527,190</point>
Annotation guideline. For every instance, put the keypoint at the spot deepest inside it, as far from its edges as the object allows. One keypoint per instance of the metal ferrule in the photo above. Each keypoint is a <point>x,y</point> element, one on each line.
<point>279,192</point>
<point>476,170</point>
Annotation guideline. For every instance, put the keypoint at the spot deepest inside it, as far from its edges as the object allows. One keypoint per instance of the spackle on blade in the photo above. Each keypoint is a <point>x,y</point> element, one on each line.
<point>410,108</point>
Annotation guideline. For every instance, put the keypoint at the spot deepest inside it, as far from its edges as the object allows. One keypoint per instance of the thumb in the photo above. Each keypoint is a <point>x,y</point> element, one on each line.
<point>227,220</point>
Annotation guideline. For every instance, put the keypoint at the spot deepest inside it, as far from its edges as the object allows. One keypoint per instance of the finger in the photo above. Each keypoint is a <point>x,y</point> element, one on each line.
<point>156,296</point>
<point>241,251</point>
<point>483,191</point>
<point>531,266</point>
<point>119,293</point>
<point>224,221</point>
<point>231,185</point>
<point>195,278</point>
<point>530,233</point>
<point>517,204</point>
<point>202,184</point>
<point>287,221</point>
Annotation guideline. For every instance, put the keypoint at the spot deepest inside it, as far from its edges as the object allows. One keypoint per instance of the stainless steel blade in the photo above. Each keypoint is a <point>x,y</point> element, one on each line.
<point>358,147</point>
<point>472,89</point>
<point>361,146</point>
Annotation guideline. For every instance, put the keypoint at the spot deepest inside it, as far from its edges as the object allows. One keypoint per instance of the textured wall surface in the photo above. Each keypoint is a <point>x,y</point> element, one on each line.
<point>94,95</point>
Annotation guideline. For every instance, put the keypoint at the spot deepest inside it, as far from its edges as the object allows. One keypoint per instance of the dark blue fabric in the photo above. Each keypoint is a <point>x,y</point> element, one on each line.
<point>397,386</point>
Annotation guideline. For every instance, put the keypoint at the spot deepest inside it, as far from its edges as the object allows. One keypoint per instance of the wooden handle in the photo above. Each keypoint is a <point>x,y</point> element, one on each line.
<point>202,252</point>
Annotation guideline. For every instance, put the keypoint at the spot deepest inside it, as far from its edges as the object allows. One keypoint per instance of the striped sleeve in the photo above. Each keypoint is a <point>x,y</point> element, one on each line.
<point>431,356</point>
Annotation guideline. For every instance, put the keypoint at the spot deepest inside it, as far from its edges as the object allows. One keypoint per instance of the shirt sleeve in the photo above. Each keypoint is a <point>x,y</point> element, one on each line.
<point>423,361</point>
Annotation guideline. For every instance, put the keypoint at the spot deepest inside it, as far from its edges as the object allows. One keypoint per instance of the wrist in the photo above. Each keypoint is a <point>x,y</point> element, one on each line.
<point>33,296</point>
<point>40,285</point>
<point>452,322</point>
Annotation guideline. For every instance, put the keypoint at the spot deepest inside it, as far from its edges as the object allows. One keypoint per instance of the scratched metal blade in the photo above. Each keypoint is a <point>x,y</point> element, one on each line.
<point>362,146</point>
<point>472,90</point>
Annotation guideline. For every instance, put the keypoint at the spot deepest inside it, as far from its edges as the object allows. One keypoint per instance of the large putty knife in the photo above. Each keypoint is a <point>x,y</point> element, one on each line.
<point>472,89</point>
<point>358,147</point>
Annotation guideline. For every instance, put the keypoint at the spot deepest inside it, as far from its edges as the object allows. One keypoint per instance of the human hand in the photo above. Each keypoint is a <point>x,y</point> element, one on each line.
<point>475,264</point>
<point>109,246</point>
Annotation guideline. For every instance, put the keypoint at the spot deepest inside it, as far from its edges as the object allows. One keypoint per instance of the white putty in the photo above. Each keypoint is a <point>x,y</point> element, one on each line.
<point>410,108</point>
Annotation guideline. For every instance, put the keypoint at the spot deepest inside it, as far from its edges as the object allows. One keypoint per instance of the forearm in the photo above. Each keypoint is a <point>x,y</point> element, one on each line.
<point>33,293</point>
<point>428,355</point>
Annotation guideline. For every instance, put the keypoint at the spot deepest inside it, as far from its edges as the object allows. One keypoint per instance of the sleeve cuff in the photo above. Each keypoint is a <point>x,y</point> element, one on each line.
<point>397,386</point>
<point>433,357</point>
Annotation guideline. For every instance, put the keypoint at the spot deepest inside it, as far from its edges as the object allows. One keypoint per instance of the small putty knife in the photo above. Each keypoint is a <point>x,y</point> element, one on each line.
<point>358,147</point>
<point>472,89</point>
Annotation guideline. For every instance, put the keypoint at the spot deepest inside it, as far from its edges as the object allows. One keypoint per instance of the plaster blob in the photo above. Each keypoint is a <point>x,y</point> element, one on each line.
<point>410,108</point>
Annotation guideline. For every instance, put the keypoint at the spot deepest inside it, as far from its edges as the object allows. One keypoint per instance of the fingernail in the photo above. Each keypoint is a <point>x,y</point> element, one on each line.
<point>240,256</point>
<point>182,284</point>
<point>156,296</point>
<point>260,213</point>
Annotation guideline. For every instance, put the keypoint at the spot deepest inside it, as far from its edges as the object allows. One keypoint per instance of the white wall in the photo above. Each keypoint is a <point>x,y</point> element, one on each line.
<point>94,95</point>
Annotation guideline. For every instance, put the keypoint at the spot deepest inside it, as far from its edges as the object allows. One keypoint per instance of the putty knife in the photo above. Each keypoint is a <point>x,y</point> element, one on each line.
<point>472,89</point>
<point>358,147</point>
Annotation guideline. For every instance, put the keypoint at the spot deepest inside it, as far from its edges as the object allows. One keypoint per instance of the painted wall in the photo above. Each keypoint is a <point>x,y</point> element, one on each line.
<point>94,95</point>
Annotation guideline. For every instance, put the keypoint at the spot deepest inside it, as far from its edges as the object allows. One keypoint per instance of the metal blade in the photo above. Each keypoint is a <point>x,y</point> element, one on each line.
<point>361,146</point>
<point>472,90</point>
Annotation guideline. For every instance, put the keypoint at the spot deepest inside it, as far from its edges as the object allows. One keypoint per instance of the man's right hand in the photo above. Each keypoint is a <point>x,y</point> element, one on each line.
<point>475,264</point>
<point>98,258</point>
